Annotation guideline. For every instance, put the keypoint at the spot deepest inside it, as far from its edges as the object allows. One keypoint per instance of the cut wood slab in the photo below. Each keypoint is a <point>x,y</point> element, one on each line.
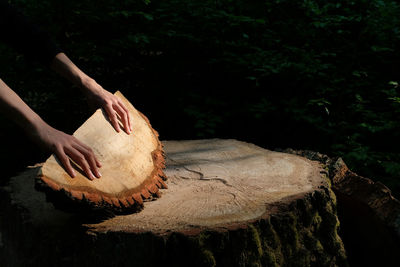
<point>228,203</point>
<point>131,166</point>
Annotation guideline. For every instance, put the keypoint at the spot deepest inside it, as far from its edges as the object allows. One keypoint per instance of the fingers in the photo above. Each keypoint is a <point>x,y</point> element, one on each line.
<point>90,158</point>
<point>114,107</point>
<point>98,164</point>
<point>82,155</point>
<point>67,148</point>
<point>124,117</point>
<point>113,117</point>
<point>80,159</point>
<point>120,109</point>
<point>128,114</point>
<point>65,161</point>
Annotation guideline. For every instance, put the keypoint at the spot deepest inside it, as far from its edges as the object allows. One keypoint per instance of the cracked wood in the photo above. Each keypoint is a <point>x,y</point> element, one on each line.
<point>219,183</point>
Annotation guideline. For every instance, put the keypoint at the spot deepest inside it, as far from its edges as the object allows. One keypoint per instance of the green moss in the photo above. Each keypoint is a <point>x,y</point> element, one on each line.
<point>306,211</point>
<point>312,244</point>
<point>302,258</point>
<point>329,208</point>
<point>286,228</point>
<point>207,259</point>
<point>270,237</point>
<point>316,221</point>
<point>269,257</point>
<point>294,233</point>
<point>255,264</point>
<point>303,235</point>
<point>203,236</point>
<point>330,222</point>
<point>255,240</point>
<point>318,246</point>
<point>333,198</point>
<point>329,182</point>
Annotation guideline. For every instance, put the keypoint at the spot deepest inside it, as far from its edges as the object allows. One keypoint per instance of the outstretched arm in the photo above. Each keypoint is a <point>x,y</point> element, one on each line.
<point>36,44</point>
<point>61,144</point>
<point>96,94</point>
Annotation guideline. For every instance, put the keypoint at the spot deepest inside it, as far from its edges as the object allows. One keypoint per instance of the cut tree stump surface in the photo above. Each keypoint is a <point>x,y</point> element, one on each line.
<point>217,183</point>
<point>228,203</point>
<point>212,183</point>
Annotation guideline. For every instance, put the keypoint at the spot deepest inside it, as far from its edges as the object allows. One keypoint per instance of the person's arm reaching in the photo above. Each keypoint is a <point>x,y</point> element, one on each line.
<point>56,141</point>
<point>94,92</point>
<point>35,43</point>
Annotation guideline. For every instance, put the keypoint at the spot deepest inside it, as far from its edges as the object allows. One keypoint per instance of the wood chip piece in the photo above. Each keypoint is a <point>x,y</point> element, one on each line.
<point>131,165</point>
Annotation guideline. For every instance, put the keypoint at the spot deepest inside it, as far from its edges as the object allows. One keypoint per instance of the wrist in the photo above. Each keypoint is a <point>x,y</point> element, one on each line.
<point>34,124</point>
<point>36,129</point>
<point>86,84</point>
<point>64,66</point>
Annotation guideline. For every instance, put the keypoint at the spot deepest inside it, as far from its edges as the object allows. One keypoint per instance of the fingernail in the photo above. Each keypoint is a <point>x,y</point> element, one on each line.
<point>73,174</point>
<point>98,174</point>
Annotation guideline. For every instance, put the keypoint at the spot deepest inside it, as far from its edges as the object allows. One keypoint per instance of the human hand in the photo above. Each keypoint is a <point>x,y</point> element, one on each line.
<point>64,146</point>
<point>97,96</point>
<point>61,144</point>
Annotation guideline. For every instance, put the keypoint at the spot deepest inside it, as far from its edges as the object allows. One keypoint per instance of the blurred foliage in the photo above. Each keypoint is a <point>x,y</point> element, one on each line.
<point>311,74</point>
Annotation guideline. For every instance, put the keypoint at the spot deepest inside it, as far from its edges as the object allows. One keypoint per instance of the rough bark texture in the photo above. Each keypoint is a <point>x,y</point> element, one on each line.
<point>295,230</point>
<point>369,214</point>
<point>131,167</point>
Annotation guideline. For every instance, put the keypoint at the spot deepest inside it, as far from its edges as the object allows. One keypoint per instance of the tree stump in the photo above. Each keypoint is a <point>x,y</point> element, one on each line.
<point>228,203</point>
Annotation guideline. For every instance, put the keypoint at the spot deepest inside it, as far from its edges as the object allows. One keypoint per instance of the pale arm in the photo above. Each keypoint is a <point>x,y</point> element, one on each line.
<point>95,94</point>
<point>15,109</point>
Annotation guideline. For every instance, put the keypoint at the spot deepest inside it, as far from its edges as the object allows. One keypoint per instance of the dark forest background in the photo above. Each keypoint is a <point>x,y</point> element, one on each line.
<point>311,74</point>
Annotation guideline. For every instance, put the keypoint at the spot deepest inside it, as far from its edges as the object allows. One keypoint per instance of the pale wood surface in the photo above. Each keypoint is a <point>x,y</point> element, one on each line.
<point>211,184</point>
<point>217,183</point>
<point>131,164</point>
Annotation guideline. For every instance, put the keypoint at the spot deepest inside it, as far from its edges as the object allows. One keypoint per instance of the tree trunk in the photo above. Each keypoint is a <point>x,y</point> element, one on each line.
<point>228,203</point>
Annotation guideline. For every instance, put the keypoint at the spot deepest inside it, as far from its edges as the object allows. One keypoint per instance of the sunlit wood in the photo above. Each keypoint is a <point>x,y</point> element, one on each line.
<point>131,164</point>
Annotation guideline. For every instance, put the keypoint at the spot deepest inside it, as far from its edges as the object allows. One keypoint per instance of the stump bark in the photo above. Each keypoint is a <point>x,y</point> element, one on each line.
<point>228,203</point>
<point>369,214</point>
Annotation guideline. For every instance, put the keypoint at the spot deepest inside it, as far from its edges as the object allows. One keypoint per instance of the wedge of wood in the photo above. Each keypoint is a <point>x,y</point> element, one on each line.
<point>132,166</point>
